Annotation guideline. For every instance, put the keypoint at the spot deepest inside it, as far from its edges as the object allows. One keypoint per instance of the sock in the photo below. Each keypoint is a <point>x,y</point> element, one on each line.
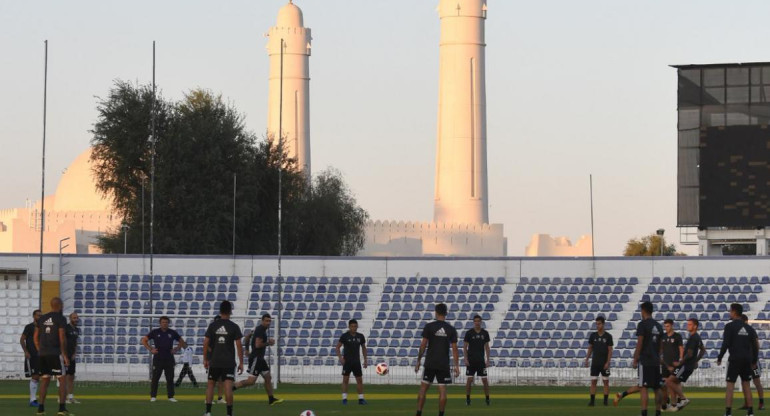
<point>750,411</point>
<point>360,397</point>
<point>41,408</point>
<point>593,398</point>
<point>728,411</point>
<point>761,400</point>
<point>606,397</point>
<point>624,394</point>
<point>219,398</point>
<point>487,398</point>
<point>657,413</point>
<point>419,413</point>
<point>468,397</point>
<point>270,399</point>
<point>644,412</point>
<point>344,396</point>
<point>62,407</point>
<point>208,407</point>
<point>229,410</point>
<point>440,413</point>
<point>33,390</point>
<point>71,396</point>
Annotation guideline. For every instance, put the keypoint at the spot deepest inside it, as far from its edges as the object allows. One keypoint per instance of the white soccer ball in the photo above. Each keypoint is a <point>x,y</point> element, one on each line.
<point>307,413</point>
<point>381,369</point>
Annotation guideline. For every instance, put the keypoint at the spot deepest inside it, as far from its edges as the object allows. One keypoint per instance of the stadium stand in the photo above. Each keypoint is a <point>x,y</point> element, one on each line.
<point>537,323</point>
<point>18,298</point>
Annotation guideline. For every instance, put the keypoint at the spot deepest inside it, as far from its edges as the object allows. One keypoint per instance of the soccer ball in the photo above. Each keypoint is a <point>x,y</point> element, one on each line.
<point>307,413</point>
<point>381,369</point>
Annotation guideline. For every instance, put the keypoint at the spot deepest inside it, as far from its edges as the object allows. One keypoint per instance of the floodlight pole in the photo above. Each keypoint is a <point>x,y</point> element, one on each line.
<point>280,209</point>
<point>152,192</point>
<point>42,186</point>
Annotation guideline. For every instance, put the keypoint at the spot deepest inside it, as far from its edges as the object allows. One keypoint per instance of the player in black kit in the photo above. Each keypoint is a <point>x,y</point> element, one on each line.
<point>351,360</point>
<point>258,366</point>
<point>600,353</point>
<point>223,336</point>
<point>73,334</point>
<point>693,352</point>
<point>476,353</point>
<point>31,365</point>
<point>740,339</point>
<point>51,344</point>
<point>756,373</point>
<point>673,353</point>
<point>437,336</point>
<point>647,357</point>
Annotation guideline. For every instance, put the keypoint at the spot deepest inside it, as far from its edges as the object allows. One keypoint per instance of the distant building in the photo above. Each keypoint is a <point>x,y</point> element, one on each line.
<point>543,245</point>
<point>77,211</point>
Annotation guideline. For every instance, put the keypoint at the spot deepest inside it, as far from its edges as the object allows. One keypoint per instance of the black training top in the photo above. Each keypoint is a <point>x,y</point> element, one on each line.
<point>739,339</point>
<point>222,335</point>
<point>260,332</point>
<point>650,330</point>
<point>440,336</point>
<point>164,343</point>
<point>476,342</point>
<point>671,346</point>
<point>601,346</point>
<point>48,326</point>
<point>29,340</point>
<point>693,347</point>
<point>352,345</point>
<point>73,333</point>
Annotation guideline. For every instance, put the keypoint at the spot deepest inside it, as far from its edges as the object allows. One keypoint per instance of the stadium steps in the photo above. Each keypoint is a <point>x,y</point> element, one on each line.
<point>243,305</point>
<point>758,306</point>
<point>501,307</point>
<point>375,296</point>
<point>630,307</point>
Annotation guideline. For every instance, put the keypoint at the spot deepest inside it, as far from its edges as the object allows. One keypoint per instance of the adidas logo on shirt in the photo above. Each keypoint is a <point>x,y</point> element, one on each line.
<point>743,332</point>
<point>222,331</point>
<point>441,333</point>
<point>48,321</point>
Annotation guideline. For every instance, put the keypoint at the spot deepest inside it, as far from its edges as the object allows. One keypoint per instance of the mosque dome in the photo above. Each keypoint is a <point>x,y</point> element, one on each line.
<point>77,188</point>
<point>290,16</point>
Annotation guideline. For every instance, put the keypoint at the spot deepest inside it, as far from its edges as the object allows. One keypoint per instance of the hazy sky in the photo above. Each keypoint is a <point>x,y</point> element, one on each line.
<point>573,88</point>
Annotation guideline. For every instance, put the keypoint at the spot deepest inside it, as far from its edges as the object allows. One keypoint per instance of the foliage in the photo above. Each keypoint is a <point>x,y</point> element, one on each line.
<point>211,175</point>
<point>650,245</point>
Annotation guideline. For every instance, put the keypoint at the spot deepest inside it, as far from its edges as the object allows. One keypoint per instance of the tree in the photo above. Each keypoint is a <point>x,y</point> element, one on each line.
<point>650,245</point>
<point>202,148</point>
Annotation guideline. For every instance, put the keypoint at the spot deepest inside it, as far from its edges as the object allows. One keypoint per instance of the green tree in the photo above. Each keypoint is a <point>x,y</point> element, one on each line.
<point>650,245</point>
<point>202,145</point>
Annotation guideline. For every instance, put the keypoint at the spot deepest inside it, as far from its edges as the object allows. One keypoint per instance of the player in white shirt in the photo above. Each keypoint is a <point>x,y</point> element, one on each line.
<point>187,360</point>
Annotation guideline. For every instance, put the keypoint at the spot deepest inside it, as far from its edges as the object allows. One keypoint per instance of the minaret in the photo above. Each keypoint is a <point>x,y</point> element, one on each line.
<point>296,84</point>
<point>461,154</point>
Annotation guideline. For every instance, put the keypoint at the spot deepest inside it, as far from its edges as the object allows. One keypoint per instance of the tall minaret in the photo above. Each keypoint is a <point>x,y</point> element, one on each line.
<point>296,84</point>
<point>461,154</point>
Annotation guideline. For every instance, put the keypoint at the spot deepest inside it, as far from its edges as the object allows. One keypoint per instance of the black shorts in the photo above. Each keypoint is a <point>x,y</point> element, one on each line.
<point>664,373</point>
<point>682,373</point>
<point>442,377</point>
<point>597,368</point>
<point>71,368</point>
<point>221,374</point>
<point>353,367</point>
<point>32,366</point>
<point>50,365</point>
<point>258,366</point>
<point>740,369</point>
<point>476,369</point>
<point>649,376</point>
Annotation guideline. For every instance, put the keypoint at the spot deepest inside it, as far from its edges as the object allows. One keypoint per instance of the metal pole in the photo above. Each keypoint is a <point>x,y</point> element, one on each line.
<point>591,186</point>
<point>61,260</point>
<point>280,207</point>
<point>235,188</point>
<point>42,186</point>
<point>152,191</point>
<point>144,268</point>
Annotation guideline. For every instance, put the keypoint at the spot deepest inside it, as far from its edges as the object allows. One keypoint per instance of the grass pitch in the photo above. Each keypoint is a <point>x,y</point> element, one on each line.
<point>114,399</point>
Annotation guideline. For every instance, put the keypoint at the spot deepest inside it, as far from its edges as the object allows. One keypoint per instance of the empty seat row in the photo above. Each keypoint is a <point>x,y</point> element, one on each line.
<point>568,281</point>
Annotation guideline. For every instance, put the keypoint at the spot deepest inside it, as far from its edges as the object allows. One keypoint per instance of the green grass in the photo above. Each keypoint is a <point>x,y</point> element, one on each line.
<point>117,400</point>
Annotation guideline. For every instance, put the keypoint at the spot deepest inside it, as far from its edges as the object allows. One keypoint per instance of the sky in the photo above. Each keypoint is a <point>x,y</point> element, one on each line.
<point>574,88</point>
